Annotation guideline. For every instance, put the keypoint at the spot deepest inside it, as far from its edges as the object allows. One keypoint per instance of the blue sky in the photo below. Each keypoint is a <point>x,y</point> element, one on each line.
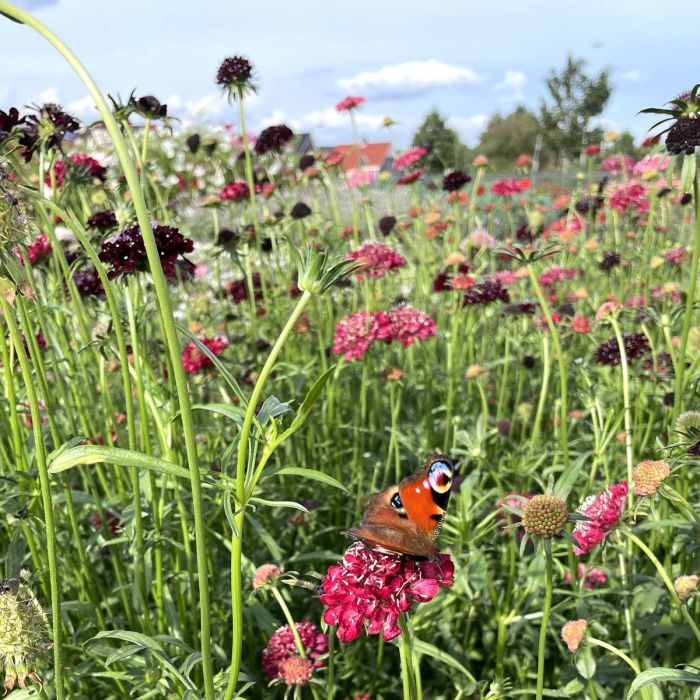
<point>466,58</point>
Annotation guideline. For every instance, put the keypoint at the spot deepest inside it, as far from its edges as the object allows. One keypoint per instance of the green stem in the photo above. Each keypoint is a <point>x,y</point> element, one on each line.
<point>408,679</point>
<point>45,487</point>
<point>549,567</point>
<point>162,294</point>
<point>616,651</point>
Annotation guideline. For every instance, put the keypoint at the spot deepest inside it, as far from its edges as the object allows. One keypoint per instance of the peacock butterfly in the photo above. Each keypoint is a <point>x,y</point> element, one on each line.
<point>406,518</point>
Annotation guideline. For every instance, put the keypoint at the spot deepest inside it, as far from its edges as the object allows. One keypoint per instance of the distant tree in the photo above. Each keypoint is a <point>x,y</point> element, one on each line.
<point>574,99</point>
<point>507,137</point>
<point>445,150</point>
<point>625,143</point>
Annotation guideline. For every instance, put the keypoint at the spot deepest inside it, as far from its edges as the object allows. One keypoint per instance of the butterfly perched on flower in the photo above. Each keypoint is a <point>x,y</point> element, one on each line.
<point>406,518</point>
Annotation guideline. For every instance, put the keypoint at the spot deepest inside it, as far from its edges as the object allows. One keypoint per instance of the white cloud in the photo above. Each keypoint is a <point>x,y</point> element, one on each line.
<point>512,85</point>
<point>330,118</point>
<point>469,128</point>
<point>174,102</point>
<point>410,78</point>
<point>277,117</point>
<point>83,107</point>
<point>631,76</point>
<point>49,95</point>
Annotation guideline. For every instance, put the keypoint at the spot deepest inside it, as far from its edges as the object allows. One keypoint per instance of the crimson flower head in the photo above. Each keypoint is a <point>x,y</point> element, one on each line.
<point>126,252</point>
<point>354,334</point>
<point>510,187</point>
<point>523,161</point>
<point>282,648</point>
<point>377,259</point>
<point>409,157</point>
<point>593,149</point>
<point>370,589</point>
<point>39,249</point>
<point>605,511</point>
<point>103,220</point>
<point>410,178</point>
<point>193,359</point>
<point>349,103</point>
<point>235,191</point>
<point>409,325</point>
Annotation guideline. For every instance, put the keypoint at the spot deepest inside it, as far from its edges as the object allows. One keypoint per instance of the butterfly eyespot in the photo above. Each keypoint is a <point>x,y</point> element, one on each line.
<point>440,476</point>
<point>396,501</point>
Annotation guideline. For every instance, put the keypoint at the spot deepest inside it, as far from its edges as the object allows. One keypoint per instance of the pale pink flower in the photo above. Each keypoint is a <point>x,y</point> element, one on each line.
<point>482,239</point>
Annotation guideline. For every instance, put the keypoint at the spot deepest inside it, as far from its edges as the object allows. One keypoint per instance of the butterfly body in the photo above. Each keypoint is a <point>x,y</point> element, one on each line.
<point>406,518</point>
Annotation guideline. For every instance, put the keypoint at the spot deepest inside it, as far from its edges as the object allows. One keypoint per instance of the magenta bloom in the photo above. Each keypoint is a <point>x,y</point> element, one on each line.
<point>281,647</point>
<point>594,577</point>
<point>193,359</point>
<point>676,256</point>
<point>409,158</point>
<point>652,164</point>
<point>409,325</point>
<point>618,164</point>
<point>410,178</point>
<point>556,274</point>
<point>630,196</point>
<point>350,102</point>
<point>39,249</point>
<point>354,334</point>
<point>604,510</point>
<point>377,259</point>
<point>510,187</point>
<point>235,191</point>
<point>370,589</point>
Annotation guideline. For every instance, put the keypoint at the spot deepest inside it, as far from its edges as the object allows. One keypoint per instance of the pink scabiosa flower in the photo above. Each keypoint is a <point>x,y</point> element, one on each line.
<point>573,634</point>
<point>510,187</point>
<point>651,165</point>
<point>593,149</point>
<point>236,191</point>
<point>265,574</point>
<point>482,239</point>
<point>370,589</point>
<point>193,359</point>
<point>523,161</point>
<point>282,647</point>
<point>409,325</point>
<point>593,577</point>
<point>39,249</point>
<point>556,274</point>
<point>685,586</point>
<point>615,165</point>
<point>676,256</point>
<point>377,259</point>
<point>296,671</point>
<point>606,310</point>
<point>604,510</point>
<point>409,158</point>
<point>410,178</point>
<point>580,324</point>
<point>632,196</point>
<point>349,103</point>
<point>354,334</point>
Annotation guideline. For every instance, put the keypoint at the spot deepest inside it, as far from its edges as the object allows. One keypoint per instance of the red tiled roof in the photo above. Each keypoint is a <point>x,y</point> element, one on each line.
<point>352,157</point>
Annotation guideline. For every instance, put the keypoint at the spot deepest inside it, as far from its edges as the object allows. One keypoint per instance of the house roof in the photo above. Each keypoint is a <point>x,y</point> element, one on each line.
<point>352,157</point>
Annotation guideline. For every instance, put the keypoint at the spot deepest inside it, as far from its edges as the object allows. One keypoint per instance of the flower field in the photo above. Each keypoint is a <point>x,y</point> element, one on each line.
<point>215,347</point>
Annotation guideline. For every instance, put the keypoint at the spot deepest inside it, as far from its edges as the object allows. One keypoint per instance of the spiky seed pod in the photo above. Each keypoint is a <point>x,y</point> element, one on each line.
<point>648,475</point>
<point>685,586</point>
<point>544,515</point>
<point>688,424</point>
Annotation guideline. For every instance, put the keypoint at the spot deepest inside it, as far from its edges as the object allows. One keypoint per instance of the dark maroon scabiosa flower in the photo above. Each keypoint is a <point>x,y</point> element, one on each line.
<point>193,142</point>
<point>47,128</point>
<point>386,224</point>
<point>148,107</point>
<point>282,648</point>
<point>409,325</point>
<point>610,260</point>
<point>237,191</point>
<point>238,289</point>
<point>370,589</point>
<point>306,161</point>
<point>39,250</point>
<point>354,334</point>
<point>683,135</point>
<point>376,259</point>
<point>455,180</point>
<point>8,121</point>
<point>273,139</point>
<point>194,360</point>
<point>410,178</point>
<point>300,211</point>
<point>228,239</point>
<point>589,204</point>
<point>636,345</point>
<point>686,198</point>
<point>110,522</point>
<point>88,283</point>
<point>126,252</point>
<point>486,292</point>
<point>103,221</point>
<point>235,74</point>
<point>520,308</point>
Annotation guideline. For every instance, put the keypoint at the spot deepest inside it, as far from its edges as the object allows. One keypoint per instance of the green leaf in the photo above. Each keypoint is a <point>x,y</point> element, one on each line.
<point>279,504</point>
<point>306,474</point>
<point>585,662</point>
<point>311,398</point>
<point>235,413</point>
<point>661,674</point>
<point>688,173</point>
<point>271,408</point>
<point>439,655</point>
<point>96,454</point>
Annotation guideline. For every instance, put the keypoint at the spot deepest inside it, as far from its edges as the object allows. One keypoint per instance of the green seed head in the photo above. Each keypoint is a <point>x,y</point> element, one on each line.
<point>544,516</point>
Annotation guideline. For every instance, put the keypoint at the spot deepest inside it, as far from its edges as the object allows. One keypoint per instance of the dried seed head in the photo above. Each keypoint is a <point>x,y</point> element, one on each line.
<point>648,476</point>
